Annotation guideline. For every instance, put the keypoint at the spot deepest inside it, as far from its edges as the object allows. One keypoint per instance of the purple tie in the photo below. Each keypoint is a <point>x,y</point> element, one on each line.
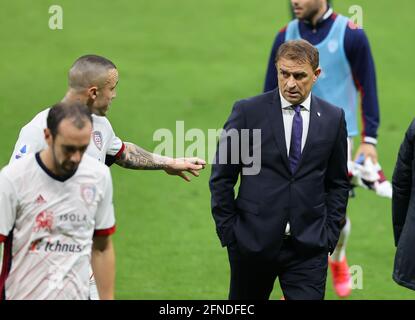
<point>296,136</point>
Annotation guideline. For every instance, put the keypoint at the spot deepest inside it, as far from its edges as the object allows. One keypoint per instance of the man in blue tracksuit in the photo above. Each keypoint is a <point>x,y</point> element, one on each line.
<point>347,70</point>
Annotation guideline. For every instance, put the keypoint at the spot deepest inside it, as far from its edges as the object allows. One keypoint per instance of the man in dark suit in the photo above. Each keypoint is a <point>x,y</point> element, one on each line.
<point>403,211</point>
<point>289,212</point>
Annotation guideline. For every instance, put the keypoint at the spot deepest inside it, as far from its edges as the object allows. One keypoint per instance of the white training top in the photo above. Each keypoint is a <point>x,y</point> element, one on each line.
<point>47,224</point>
<point>103,139</point>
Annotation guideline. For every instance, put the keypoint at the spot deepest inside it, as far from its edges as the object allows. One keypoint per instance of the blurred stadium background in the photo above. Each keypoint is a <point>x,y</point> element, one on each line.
<point>190,60</point>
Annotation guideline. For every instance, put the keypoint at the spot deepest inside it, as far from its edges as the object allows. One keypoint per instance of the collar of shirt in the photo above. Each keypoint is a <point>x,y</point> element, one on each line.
<point>325,16</point>
<point>287,105</point>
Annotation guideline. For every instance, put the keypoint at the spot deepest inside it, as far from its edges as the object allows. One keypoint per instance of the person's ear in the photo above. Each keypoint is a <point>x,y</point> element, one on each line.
<point>93,92</point>
<point>317,73</point>
<point>48,136</point>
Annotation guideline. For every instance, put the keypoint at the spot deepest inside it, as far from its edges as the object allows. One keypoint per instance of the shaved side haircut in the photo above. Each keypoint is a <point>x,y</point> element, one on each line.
<point>89,70</point>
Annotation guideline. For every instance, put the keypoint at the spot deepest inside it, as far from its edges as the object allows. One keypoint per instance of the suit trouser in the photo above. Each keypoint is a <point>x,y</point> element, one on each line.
<point>301,277</point>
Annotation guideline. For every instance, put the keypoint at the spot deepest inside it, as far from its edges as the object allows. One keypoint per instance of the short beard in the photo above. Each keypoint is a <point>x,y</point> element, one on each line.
<point>311,14</point>
<point>61,172</point>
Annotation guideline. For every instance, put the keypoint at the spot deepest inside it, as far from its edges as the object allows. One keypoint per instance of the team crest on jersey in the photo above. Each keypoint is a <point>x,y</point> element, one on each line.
<point>88,192</point>
<point>44,221</point>
<point>97,137</point>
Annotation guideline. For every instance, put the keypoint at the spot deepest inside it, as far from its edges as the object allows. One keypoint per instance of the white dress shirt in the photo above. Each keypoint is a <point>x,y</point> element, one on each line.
<point>288,116</point>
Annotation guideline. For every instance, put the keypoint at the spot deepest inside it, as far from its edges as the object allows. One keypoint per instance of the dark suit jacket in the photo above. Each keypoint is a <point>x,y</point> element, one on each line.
<point>403,211</point>
<point>313,199</point>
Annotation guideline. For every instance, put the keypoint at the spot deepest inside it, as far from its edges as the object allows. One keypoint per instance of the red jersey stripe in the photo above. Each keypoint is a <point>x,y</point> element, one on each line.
<point>105,232</point>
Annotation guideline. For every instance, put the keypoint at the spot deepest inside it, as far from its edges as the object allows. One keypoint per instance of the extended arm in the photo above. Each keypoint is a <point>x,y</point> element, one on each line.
<point>135,157</point>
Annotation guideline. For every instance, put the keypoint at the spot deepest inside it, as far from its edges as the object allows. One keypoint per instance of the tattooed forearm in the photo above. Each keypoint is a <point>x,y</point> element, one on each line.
<point>135,157</point>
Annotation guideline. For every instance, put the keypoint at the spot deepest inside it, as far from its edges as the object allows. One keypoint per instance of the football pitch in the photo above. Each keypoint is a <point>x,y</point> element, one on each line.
<point>189,60</point>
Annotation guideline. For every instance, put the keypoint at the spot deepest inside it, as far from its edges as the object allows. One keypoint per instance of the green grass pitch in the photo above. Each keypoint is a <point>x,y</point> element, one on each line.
<point>190,60</point>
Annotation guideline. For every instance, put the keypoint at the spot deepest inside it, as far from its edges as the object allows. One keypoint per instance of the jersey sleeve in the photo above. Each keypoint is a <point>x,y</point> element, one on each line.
<point>31,140</point>
<point>8,205</point>
<point>361,61</point>
<point>115,145</point>
<point>115,149</point>
<point>105,218</point>
<point>271,81</point>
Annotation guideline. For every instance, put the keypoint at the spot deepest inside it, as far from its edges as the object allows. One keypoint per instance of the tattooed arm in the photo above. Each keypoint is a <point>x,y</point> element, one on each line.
<point>134,157</point>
